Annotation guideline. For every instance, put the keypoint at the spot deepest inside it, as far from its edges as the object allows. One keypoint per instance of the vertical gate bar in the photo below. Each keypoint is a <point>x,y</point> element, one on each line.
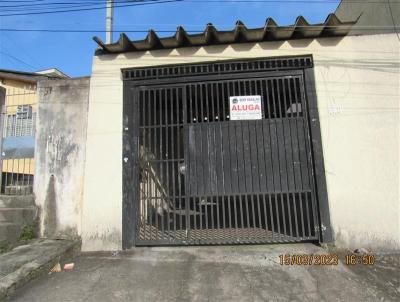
<point>287,118</point>
<point>254,168</point>
<point>196,101</point>
<point>289,213</point>
<point>274,84</point>
<point>181,94</point>
<point>160,124</point>
<point>198,98</point>
<point>241,212</point>
<point>223,113</point>
<point>294,118</point>
<point>233,149</point>
<point>207,180</point>
<point>188,174</point>
<point>164,144</point>
<point>175,162</point>
<point>251,219</point>
<point>308,214</point>
<point>300,201</point>
<point>278,221</point>
<point>295,214</point>
<point>254,172</point>
<point>272,216</point>
<point>168,126</point>
<point>211,169</point>
<point>207,114</point>
<point>283,212</point>
<point>242,198</point>
<point>189,99</point>
<point>278,98</point>
<point>258,212</point>
<point>201,104</point>
<point>235,209</point>
<point>151,186</point>
<point>227,189</point>
<point>213,194</point>
<point>265,213</point>
<point>152,199</point>
<point>215,127</point>
<point>295,188</point>
<point>154,204</point>
<point>263,179</point>
<point>222,175</point>
<point>302,187</point>
<point>144,201</point>
<point>260,158</point>
<point>179,141</point>
<point>248,182</point>
<point>234,164</point>
<point>142,179</point>
<point>211,117</point>
<point>316,222</point>
<point>266,85</point>
<point>309,155</point>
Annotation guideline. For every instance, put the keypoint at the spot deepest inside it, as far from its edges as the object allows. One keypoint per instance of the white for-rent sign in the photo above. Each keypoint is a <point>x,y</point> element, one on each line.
<point>247,107</point>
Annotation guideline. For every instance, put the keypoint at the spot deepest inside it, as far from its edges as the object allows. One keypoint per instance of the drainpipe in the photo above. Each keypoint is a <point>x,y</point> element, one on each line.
<point>109,21</point>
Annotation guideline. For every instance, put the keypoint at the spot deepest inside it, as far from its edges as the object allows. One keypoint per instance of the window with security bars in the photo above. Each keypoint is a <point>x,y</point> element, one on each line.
<point>17,126</point>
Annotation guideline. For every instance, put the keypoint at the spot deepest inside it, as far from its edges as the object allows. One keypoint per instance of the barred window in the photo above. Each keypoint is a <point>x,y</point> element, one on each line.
<point>16,126</point>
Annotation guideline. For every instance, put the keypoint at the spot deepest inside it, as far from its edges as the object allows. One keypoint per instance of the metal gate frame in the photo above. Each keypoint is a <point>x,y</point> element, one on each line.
<point>134,78</point>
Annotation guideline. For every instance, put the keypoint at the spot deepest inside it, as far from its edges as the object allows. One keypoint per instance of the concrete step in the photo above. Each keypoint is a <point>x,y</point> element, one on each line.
<point>16,201</point>
<point>23,216</point>
<point>9,232</point>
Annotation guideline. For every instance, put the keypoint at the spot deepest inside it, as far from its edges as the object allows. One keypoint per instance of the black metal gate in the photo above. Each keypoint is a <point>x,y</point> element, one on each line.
<point>207,179</point>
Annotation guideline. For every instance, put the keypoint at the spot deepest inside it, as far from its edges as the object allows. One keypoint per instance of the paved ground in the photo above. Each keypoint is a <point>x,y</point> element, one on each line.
<point>230,273</point>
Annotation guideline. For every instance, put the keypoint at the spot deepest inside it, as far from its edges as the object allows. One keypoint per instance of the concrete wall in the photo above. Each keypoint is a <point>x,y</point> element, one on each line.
<point>357,86</point>
<point>375,17</point>
<point>60,155</point>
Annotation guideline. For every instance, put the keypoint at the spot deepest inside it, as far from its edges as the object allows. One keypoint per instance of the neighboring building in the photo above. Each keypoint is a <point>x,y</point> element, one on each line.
<point>19,119</point>
<point>274,134</point>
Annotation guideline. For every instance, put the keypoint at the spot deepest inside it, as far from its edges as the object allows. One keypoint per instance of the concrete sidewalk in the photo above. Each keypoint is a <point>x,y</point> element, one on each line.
<point>227,273</point>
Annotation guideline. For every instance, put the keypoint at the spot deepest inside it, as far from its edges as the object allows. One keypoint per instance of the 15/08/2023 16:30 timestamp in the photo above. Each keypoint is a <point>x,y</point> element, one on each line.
<point>326,259</point>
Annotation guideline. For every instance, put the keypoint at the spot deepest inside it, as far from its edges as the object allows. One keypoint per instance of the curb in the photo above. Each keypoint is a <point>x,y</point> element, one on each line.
<point>35,268</point>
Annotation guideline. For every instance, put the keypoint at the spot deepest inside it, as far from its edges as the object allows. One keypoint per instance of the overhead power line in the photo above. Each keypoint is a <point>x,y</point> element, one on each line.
<point>87,5</point>
<point>88,9</point>
<point>17,59</point>
<point>63,4</point>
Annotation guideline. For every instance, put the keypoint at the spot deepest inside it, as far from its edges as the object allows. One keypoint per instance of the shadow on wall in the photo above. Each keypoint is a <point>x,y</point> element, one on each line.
<point>49,211</point>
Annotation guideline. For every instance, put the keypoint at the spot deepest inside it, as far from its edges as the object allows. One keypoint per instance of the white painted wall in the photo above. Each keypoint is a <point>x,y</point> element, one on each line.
<point>60,155</point>
<point>357,83</point>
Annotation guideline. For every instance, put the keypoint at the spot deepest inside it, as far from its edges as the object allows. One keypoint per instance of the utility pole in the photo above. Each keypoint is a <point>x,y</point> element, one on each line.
<point>109,21</point>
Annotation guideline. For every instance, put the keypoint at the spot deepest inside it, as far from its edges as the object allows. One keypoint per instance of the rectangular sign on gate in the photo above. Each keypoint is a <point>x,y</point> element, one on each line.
<point>246,107</point>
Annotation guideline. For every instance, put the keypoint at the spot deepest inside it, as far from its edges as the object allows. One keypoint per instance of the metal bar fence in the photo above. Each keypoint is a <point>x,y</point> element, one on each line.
<point>17,150</point>
<point>205,179</point>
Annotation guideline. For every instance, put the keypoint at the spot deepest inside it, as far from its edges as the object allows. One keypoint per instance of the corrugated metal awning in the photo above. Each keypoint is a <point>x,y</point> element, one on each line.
<point>332,27</point>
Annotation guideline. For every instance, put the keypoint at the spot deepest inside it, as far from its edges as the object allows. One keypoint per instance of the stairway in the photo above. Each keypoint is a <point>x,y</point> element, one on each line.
<point>16,212</point>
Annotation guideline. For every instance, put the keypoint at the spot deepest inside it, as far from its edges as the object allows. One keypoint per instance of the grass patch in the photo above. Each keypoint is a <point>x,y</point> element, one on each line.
<point>28,233</point>
<point>4,247</point>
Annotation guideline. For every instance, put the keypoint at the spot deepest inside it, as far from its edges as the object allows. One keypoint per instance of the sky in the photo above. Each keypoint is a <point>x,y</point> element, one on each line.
<point>72,53</point>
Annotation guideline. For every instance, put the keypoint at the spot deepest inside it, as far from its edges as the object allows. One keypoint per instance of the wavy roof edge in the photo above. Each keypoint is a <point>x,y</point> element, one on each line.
<point>332,27</point>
